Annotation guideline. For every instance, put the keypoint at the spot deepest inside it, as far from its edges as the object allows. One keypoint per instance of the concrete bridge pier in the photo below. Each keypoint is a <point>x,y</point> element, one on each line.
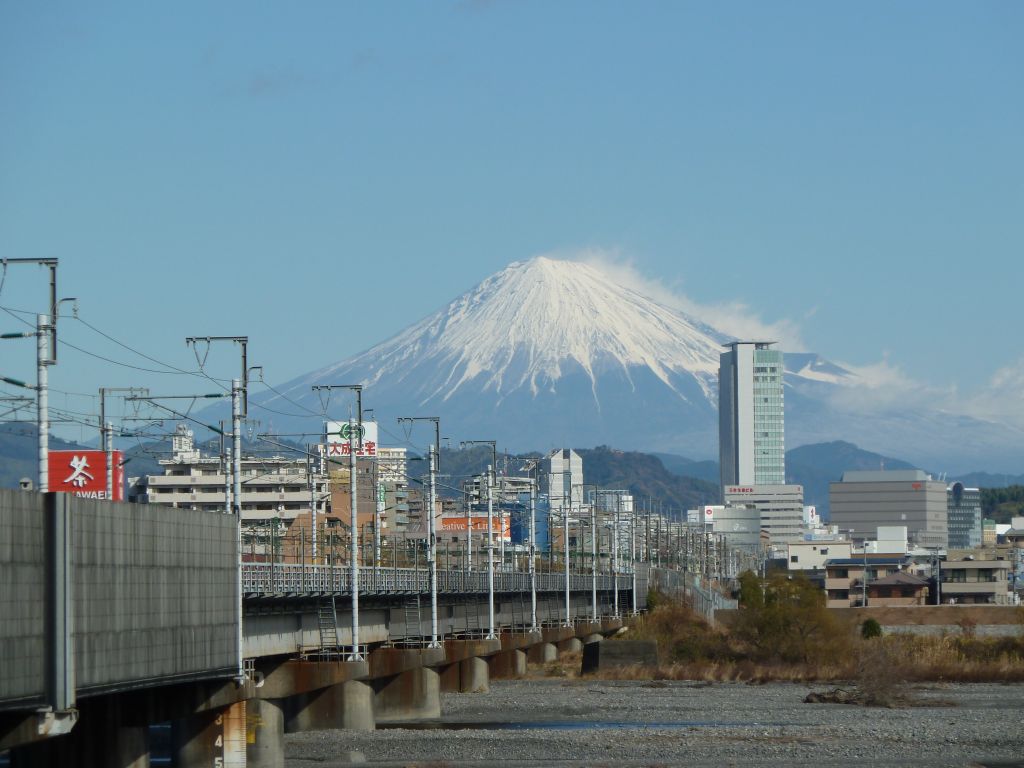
<point>344,705</point>
<point>506,665</point>
<point>467,667</point>
<point>570,645</point>
<point>475,675</point>
<point>264,733</point>
<point>469,675</point>
<point>406,684</point>
<point>216,737</point>
<point>411,695</point>
<point>542,653</point>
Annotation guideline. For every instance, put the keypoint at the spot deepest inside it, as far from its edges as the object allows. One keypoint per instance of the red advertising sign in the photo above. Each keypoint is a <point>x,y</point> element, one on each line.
<point>84,473</point>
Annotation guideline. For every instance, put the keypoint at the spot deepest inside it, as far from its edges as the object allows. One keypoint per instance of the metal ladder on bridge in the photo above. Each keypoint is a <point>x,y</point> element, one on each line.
<point>327,620</point>
<point>413,618</point>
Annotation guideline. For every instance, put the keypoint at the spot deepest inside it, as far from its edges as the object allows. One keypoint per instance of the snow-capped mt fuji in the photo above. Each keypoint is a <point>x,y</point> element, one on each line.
<point>546,352</point>
<point>533,325</point>
<point>550,353</point>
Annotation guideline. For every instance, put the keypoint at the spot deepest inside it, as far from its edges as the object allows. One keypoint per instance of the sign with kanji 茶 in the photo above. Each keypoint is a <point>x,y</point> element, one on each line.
<point>84,473</point>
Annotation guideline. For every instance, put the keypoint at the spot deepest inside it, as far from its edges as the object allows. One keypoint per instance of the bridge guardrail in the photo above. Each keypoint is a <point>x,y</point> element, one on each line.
<point>278,578</point>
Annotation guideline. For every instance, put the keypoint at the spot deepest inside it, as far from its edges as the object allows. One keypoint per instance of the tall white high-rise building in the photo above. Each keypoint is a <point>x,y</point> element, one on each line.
<point>751,426</point>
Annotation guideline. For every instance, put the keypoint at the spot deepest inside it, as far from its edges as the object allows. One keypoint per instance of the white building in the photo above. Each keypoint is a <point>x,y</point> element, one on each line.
<point>811,555</point>
<point>739,524</point>
<point>272,487</point>
<point>561,478</point>
<point>751,423</point>
<point>889,540</point>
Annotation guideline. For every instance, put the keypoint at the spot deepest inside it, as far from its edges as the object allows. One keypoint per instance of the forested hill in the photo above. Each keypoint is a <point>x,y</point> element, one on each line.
<point>1002,504</point>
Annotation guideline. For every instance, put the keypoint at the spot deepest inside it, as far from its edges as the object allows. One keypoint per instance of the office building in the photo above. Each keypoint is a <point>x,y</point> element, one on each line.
<point>964,521</point>
<point>751,425</point>
<point>864,501</point>
<point>780,509</point>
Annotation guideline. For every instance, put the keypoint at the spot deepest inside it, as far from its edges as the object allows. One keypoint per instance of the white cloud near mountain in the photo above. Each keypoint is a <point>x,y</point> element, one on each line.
<point>733,318</point>
<point>879,385</point>
<point>885,385</point>
<point>1002,397</point>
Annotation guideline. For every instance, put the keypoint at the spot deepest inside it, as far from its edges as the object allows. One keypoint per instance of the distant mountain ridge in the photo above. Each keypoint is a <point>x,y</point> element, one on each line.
<point>812,466</point>
<point>669,479</point>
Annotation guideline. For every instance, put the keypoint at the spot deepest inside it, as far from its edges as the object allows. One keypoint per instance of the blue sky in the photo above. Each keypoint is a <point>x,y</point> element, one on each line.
<point>320,175</point>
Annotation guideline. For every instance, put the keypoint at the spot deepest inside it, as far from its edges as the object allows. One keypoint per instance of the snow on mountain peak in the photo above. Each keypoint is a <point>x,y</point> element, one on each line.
<point>528,324</point>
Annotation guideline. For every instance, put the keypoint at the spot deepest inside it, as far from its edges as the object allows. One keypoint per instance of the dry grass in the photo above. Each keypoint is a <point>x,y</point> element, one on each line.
<point>690,649</point>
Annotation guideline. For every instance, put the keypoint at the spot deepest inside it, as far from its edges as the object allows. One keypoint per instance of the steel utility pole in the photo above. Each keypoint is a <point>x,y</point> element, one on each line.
<point>632,553</point>
<point>565,548</point>
<point>106,430</point>
<point>615,552</point>
<point>355,441</point>
<point>435,460</point>
<point>533,555</point>
<point>490,531</point>
<point>593,558</point>
<point>46,355</point>
<point>43,361</point>
<point>236,438</point>
<point>353,466</point>
<point>313,501</point>
<point>243,342</point>
<point>51,264</point>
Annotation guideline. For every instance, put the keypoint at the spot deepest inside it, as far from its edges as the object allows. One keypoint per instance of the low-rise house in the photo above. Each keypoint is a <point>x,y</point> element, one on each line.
<point>898,589</point>
<point>975,581</point>
<point>845,576</point>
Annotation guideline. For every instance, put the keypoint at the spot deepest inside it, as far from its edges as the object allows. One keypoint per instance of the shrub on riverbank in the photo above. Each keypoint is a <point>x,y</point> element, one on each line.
<point>783,632</point>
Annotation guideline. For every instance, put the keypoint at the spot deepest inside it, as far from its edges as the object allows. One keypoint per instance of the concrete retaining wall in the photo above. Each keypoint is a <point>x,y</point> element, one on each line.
<point>618,654</point>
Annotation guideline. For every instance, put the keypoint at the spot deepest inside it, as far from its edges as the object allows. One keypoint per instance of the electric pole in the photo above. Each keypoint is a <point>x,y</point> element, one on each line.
<point>355,442</point>
<point>106,430</point>
<point>490,531</point>
<point>43,360</point>
<point>435,460</point>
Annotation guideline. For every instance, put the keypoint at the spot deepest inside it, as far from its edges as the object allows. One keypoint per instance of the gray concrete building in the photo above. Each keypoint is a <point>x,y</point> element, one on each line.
<point>780,509</point>
<point>864,501</point>
<point>740,525</point>
<point>964,522</point>
<point>751,423</point>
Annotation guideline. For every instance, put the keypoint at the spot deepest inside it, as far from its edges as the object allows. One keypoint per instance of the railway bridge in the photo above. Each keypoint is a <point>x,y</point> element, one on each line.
<point>117,617</point>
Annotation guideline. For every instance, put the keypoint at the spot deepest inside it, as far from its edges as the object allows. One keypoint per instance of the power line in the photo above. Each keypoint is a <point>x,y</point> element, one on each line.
<point>173,368</point>
<point>285,397</point>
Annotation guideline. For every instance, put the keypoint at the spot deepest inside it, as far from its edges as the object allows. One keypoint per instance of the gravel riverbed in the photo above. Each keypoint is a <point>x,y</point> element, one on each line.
<point>638,723</point>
